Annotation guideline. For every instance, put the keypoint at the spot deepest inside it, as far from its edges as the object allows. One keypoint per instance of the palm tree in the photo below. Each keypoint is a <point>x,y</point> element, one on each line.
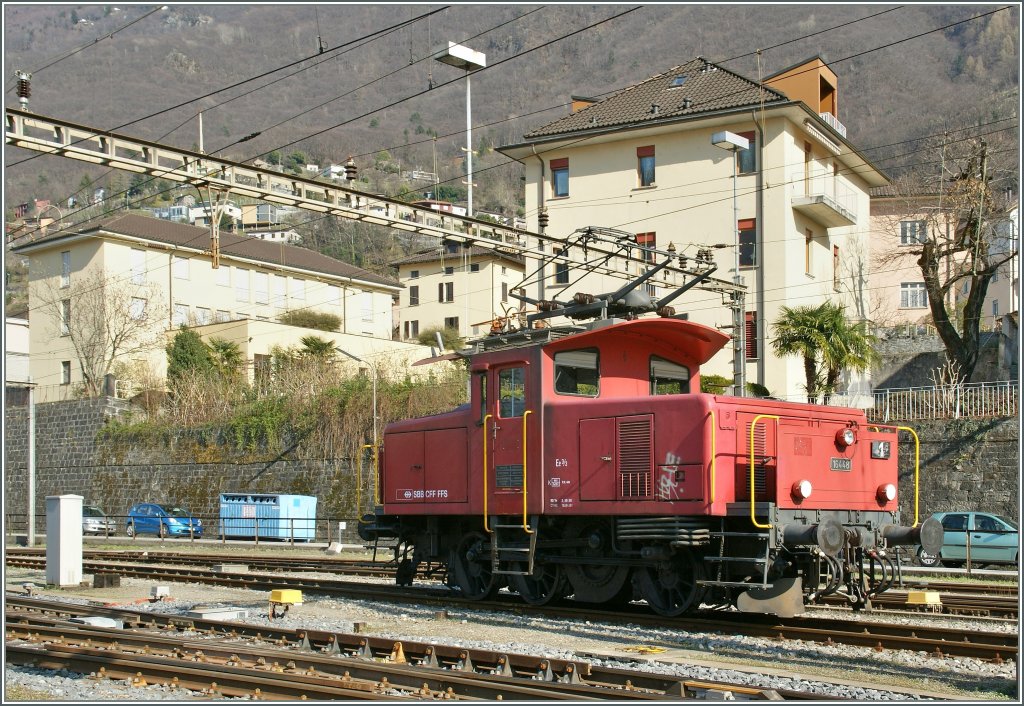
<point>316,347</point>
<point>798,331</point>
<point>827,342</point>
<point>227,357</point>
<point>848,347</point>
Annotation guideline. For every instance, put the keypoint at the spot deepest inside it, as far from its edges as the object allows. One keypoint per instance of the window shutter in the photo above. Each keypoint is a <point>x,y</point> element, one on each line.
<point>746,223</point>
<point>562,163</point>
<point>647,151</point>
<point>751,334</point>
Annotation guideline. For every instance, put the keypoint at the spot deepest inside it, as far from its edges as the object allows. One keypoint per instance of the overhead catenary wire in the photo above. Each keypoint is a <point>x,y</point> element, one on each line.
<point>250,79</point>
<point>908,140</point>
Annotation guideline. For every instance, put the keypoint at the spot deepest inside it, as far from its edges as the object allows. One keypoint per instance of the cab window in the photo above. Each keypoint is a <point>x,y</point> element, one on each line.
<point>511,392</point>
<point>668,378</point>
<point>577,373</point>
<point>482,386</point>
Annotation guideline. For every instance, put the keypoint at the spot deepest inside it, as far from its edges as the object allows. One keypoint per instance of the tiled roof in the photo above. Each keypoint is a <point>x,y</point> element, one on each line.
<point>171,233</point>
<point>706,88</point>
<point>434,255</point>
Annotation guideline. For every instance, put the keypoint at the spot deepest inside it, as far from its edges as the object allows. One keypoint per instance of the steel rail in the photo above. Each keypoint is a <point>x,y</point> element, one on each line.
<point>938,641</point>
<point>977,602</point>
<point>396,669</point>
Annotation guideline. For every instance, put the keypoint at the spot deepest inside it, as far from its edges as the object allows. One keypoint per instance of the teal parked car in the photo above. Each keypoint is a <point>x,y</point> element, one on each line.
<point>993,540</point>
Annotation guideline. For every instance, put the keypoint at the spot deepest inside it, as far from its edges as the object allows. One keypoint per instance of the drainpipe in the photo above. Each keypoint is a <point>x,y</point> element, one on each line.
<point>762,348</point>
<point>540,209</point>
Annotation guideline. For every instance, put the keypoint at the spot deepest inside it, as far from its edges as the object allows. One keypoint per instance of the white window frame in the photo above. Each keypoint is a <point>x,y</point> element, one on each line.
<point>65,317</point>
<point>137,309</point>
<point>298,289</point>
<point>261,287</point>
<point>180,315</point>
<point>366,306</point>
<point>913,232</point>
<point>65,269</point>
<point>241,285</point>
<point>280,291</point>
<point>65,372</point>
<point>180,267</point>
<point>138,266</point>
<point>223,276</point>
<point>202,315</point>
<point>913,295</point>
<point>222,315</point>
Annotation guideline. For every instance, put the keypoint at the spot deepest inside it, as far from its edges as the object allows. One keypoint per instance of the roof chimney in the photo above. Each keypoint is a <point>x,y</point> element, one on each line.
<point>655,108</point>
<point>581,102</point>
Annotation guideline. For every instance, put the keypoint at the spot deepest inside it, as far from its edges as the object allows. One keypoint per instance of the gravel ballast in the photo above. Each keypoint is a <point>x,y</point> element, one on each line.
<point>839,670</point>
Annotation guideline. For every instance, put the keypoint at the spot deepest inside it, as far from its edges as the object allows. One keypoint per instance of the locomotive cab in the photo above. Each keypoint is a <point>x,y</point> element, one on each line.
<point>587,463</point>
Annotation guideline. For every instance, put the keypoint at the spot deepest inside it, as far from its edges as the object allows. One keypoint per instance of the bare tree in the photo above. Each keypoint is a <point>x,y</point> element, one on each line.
<point>106,320</point>
<point>957,250</point>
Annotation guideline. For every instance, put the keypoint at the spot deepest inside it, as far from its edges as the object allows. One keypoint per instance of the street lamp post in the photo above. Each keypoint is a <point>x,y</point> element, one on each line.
<point>468,60</point>
<point>734,143</point>
<point>373,370</point>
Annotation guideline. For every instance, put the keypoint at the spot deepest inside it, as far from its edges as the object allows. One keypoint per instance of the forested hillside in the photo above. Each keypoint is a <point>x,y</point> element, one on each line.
<point>892,88</point>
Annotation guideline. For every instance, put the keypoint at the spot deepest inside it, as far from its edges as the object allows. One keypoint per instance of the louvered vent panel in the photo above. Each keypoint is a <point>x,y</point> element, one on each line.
<point>635,458</point>
<point>760,434</point>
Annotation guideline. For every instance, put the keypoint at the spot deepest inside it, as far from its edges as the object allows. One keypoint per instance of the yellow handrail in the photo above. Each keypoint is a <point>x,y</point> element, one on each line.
<point>526,527</point>
<point>714,453</point>
<point>753,424</point>
<point>917,468</point>
<point>486,417</point>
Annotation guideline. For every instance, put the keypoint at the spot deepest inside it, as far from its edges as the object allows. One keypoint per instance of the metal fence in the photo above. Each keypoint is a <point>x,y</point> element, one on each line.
<point>971,400</point>
<point>974,400</point>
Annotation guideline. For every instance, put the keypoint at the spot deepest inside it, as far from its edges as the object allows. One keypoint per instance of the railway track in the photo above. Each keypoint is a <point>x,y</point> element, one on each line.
<point>998,600</point>
<point>237,659</point>
<point>992,646</point>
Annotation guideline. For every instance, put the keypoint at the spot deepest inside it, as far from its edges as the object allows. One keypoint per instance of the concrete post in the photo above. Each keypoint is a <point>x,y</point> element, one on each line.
<point>64,540</point>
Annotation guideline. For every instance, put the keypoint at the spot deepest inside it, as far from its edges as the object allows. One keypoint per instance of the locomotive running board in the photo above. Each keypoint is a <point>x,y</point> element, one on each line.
<point>785,598</point>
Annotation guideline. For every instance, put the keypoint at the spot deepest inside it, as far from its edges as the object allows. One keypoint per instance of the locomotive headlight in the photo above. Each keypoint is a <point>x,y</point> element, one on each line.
<point>845,437</point>
<point>801,490</point>
<point>880,449</point>
<point>886,493</point>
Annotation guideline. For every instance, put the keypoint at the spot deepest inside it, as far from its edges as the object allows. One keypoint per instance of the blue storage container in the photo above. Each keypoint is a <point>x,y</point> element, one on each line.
<point>268,516</point>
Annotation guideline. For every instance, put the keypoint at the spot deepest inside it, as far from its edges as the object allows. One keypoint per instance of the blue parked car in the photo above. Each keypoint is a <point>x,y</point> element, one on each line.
<point>163,521</point>
<point>994,540</point>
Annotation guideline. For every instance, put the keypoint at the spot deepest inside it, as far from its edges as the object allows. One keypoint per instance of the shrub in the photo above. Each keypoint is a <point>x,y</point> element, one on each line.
<point>307,318</point>
<point>714,384</point>
<point>449,336</point>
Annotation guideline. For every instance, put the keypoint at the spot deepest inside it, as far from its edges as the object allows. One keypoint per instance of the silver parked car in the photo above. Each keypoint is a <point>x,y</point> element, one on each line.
<point>95,521</point>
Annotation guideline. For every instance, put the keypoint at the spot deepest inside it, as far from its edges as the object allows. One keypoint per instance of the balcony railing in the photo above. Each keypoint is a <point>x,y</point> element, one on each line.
<point>833,123</point>
<point>825,198</point>
<point>969,401</point>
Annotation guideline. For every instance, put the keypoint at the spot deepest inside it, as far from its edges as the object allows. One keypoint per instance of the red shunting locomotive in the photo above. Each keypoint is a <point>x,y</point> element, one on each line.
<point>588,464</point>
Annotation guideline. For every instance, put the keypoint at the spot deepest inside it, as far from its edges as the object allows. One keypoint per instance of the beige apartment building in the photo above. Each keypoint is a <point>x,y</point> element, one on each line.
<point>454,287</point>
<point>141,278</point>
<point>643,161</point>
<point>899,223</point>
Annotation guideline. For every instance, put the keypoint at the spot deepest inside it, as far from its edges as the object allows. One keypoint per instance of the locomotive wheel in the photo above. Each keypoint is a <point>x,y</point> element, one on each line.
<point>471,566</point>
<point>670,587</point>
<point>548,583</point>
<point>596,583</point>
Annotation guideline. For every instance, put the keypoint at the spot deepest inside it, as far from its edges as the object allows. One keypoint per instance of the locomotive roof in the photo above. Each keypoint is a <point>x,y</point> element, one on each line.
<point>702,342</point>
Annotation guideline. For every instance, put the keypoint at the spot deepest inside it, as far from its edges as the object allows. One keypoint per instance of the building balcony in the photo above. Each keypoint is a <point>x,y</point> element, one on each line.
<point>825,200</point>
<point>833,123</point>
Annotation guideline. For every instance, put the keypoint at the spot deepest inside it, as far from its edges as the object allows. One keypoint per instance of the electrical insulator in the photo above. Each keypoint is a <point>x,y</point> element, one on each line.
<point>350,170</point>
<point>542,218</point>
<point>24,88</point>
